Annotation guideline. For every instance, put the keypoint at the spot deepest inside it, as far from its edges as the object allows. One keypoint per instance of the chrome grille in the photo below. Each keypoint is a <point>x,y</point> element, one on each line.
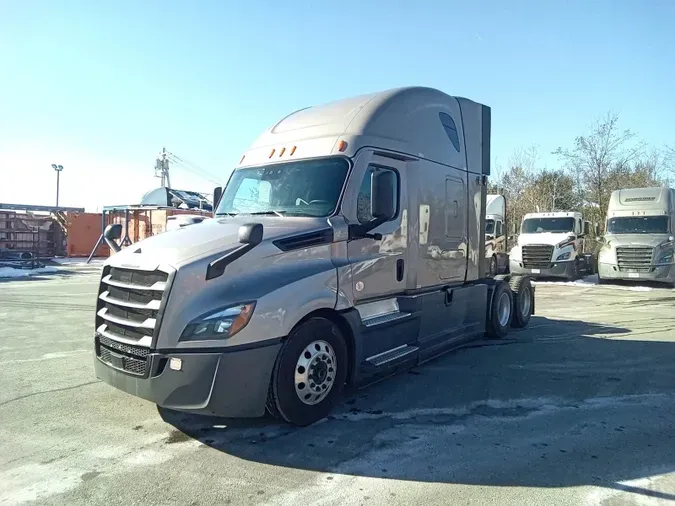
<point>537,256</point>
<point>129,305</point>
<point>634,259</point>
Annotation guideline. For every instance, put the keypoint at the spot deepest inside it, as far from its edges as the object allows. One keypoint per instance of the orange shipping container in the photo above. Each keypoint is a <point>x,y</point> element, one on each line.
<point>82,232</point>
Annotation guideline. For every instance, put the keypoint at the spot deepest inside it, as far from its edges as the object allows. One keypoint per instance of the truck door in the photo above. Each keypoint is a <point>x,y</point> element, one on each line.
<point>378,266</point>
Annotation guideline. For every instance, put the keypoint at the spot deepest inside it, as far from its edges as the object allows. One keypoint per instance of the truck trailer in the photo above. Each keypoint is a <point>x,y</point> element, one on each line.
<point>638,240</point>
<point>496,246</point>
<point>551,245</point>
<point>318,270</point>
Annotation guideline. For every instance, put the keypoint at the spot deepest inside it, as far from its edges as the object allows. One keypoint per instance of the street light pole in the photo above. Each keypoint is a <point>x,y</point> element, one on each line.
<point>58,169</point>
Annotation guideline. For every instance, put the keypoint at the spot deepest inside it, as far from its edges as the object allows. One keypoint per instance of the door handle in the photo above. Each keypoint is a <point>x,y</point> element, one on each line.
<point>399,269</point>
<point>455,206</point>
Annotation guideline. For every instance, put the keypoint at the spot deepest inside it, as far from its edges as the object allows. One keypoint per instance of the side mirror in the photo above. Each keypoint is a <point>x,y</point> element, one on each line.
<point>382,199</point>
<point>112,234</point>
<point>587,227</point>
<point>597,229</point>
<point>217,193</point>
<point>251,234</point>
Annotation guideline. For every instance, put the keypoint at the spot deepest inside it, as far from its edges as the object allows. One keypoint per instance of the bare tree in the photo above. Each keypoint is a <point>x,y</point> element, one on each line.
<point>595,155</point>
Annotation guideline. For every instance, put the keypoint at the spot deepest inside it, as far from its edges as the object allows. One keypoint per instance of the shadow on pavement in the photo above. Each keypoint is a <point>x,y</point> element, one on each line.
<point>559,405</point>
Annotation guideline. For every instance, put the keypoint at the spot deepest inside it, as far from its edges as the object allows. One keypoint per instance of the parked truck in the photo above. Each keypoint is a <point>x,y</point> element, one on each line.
<point>638,240</point>
<point>552,245</point>
<point>317,271</point>
<point>496,246</point>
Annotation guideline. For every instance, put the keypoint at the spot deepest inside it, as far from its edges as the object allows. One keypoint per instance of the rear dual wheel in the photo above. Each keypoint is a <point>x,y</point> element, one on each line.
<point>511,305</point>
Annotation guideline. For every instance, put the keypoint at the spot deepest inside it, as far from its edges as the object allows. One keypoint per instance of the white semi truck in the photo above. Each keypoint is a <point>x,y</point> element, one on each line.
<point>639,236</point>
<point>552,245</point>
<point>496,246</point>
<point>318,270</point>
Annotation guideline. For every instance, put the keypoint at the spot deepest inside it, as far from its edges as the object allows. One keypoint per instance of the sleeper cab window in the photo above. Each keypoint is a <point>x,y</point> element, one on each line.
<point>363,202</point>
<point>450,129</point>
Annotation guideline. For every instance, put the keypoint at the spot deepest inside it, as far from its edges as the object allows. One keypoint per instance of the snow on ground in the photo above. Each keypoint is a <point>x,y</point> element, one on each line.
<point>77,261</point>
<point>11,272</point>
<point>589,281</point>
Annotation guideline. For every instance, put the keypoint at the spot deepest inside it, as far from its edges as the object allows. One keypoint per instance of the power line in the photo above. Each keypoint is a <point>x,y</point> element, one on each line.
<point>193,168</point>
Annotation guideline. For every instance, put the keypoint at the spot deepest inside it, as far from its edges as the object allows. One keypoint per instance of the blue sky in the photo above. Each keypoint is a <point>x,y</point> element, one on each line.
<point>100,87</point>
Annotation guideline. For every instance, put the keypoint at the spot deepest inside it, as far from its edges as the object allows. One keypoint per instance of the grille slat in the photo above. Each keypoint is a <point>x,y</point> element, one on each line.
<point>537,256</point>
<point>634,259</point>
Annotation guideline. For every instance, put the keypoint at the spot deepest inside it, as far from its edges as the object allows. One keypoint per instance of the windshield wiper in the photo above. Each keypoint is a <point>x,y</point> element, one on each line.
<point>226,214</point>
<point>268,213</point>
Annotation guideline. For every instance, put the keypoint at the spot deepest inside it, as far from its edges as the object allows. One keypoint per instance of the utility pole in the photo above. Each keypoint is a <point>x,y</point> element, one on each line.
<point>58,169</point>
<point>162,168</point>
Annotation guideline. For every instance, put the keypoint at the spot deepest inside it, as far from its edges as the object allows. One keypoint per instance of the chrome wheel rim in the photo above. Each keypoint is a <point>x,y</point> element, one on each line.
<point>504,309</point>
<point>315,372</point>
<point>525,301</point>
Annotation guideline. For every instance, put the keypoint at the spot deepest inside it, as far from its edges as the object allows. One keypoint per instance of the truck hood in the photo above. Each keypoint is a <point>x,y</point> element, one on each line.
<point>636,239</point>
<point>183,245</point>
<point>551,238</point>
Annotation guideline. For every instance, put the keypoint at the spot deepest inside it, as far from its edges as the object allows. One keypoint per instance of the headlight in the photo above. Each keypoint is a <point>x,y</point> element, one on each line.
<point>564,256</point>
<point>219,324</point>
<point>666,259</point>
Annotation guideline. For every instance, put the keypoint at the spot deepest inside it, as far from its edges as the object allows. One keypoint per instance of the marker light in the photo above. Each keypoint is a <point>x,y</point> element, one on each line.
<point>271,153</point>
<point>293,150</point>
<point>281,153</point>
<point>175,364</point>
<point>342,145</point>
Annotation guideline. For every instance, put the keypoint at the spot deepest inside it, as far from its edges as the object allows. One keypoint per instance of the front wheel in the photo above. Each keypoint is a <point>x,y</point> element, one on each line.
<point>309,374</point>
<point>494,267</point>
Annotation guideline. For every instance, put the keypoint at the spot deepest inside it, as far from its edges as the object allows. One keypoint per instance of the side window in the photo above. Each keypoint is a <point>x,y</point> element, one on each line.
<point>450,129</point>
<point>363,201</point>
<point>252,192</point>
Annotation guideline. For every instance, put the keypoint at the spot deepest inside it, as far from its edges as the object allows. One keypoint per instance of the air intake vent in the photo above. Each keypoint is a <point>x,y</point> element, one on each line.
<point>308,240</point>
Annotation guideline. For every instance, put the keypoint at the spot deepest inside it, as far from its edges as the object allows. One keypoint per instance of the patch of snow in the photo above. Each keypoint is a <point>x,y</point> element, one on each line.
<point>78,261</point>
<point>11,272</point>
<point>592,281</point>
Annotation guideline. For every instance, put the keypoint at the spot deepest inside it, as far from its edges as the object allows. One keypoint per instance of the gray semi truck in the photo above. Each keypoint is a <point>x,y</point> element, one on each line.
<point>638,242</point>
<point>347,245</point>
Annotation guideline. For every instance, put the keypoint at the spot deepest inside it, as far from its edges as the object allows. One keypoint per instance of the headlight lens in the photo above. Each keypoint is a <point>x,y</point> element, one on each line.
<point>564,256</point>
<point>220,324</point>
<point>666,259</point>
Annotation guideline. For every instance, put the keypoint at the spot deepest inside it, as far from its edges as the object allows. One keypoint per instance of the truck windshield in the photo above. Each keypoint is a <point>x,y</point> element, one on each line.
<point>304,188</point>
<point>489,226</point>
<point>638,225</point>
<point>541,225</point>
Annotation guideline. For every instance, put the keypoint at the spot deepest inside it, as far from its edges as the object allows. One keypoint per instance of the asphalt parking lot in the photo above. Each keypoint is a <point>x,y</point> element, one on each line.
<point>577,409</point>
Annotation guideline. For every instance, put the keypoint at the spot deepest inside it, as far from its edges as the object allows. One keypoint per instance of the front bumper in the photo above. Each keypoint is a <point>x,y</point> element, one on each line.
<point>556,270</point>
<point>665,273</point>
<point>225,383</point>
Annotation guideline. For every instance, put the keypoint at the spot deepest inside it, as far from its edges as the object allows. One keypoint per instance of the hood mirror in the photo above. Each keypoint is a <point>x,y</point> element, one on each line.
<point>112,234</point>
<point>251,234</point>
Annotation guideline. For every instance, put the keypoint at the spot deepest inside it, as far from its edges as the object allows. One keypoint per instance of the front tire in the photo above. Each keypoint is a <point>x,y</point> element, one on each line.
<point>494,267</point>
<point>309,374</point>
